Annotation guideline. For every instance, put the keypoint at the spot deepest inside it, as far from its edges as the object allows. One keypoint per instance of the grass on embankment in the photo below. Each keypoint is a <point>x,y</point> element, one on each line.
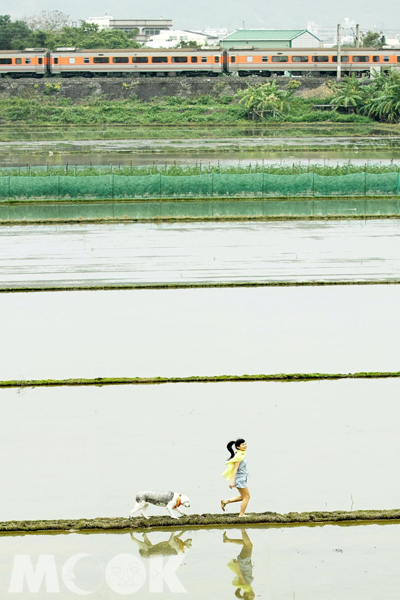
<point>205,520</point>
<point>280,377</point>
<point>43,110</point>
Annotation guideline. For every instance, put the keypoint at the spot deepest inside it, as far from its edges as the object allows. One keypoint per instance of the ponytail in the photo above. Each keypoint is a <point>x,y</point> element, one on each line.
<point>230,446</point>
<point>236,444</point>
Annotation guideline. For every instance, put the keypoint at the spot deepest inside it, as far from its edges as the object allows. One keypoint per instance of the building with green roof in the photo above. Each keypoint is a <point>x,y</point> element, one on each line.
<point>241,39</point>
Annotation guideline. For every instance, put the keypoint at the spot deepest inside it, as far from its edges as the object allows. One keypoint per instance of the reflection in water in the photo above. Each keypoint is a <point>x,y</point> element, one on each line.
<point>174,545</point>
<point>242,566</point>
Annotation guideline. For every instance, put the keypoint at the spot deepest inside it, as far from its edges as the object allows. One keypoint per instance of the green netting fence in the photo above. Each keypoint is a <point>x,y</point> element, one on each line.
<point>210,185</point>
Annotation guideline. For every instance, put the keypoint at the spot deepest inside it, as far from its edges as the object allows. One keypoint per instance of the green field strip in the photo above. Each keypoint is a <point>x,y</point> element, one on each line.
<point>280,377</point>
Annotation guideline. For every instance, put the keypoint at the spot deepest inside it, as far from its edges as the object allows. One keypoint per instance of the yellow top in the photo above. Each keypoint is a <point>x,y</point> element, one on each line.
<point>238,581</point>
<point>239,456</point>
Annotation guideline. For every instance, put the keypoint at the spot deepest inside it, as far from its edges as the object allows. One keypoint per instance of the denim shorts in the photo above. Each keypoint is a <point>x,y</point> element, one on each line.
<point>241,481</point>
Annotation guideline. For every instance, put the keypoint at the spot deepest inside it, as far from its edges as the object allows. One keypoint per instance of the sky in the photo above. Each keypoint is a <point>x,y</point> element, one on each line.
<point>188,14</point>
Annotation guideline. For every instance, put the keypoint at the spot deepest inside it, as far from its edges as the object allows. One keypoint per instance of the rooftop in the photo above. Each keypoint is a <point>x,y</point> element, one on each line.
<point>266,34</point>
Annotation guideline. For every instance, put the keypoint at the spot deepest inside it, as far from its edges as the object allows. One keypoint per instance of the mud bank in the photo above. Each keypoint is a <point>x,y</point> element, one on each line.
<point>205,520</point>
<point>184,286</point>
<point>284,377</point>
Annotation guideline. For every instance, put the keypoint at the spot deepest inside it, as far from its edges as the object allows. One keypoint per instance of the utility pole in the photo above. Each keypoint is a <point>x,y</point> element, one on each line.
<point>357,36</point>
<point>339,54</point>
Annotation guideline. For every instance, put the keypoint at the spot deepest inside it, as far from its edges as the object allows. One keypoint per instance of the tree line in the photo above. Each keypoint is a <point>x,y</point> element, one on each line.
<point>51,29</point>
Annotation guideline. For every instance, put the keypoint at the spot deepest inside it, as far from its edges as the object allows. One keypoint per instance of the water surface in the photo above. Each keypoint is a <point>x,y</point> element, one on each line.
<point>146,253</point>
<point>199,332</point>
<point>86,452</point>
<point>101,151</point>
<point>302,563</point>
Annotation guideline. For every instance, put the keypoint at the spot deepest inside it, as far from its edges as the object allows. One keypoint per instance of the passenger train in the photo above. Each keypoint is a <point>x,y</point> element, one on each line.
<point>73,62</point>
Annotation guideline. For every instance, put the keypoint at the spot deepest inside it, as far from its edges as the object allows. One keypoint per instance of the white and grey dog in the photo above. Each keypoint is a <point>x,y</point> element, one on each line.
<point>169,500</point>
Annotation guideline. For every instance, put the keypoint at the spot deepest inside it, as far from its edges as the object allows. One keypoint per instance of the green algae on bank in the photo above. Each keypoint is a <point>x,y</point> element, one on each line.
<point>204,520</point>
<point>191,285</point>
<point>284,377</point>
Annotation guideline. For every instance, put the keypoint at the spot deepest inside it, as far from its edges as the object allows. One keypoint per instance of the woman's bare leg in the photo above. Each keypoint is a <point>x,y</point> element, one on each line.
<point>225,502</point>
<point>245,497</point>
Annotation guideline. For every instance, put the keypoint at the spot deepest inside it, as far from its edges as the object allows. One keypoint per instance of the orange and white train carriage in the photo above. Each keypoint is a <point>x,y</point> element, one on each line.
<point>73,62</point>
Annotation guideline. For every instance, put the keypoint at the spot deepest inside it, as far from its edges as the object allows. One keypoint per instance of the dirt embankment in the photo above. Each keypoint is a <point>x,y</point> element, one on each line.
<point>280,377</point>
<point>205,520</point>
<point>115,88</point>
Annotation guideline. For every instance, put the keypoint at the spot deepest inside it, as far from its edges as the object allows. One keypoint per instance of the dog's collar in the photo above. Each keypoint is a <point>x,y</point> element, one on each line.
<point>178,501</point>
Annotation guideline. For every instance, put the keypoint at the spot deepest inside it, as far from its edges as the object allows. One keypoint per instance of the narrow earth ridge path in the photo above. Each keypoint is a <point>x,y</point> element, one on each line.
<point>204,520</point>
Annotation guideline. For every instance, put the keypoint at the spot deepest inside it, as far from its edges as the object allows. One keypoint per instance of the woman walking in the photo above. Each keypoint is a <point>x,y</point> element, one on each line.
<point>236,475</point>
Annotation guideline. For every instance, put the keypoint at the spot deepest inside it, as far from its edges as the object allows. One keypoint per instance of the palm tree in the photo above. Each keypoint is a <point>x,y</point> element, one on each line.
<point>383,98</point>
<point>264,99</point>
<point>348,93</point>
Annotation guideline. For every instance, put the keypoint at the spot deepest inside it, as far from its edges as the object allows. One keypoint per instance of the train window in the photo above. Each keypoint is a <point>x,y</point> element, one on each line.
<point>101,59</point>
<point>216,59</point>
<point>27,61</point>
<point>249,58</point>
<point>5,61</point>
<point>71,60</point>
<point>279,59</point>
<point>179,59</point>
<point>376,58</point>
<point>193,59</point>
<point>204,59</point>
<point>86,60</point>
<point>120,59</point>
<point>140,59</point>
<point>343,59</point>
<point>233,59</point>
<point>320,58</point>
<point>360,58</point>
<point>159,59</point>
<point>264,59</point>
<point>18,61</point>
<point>299,58</point>
<point>40,61</point>
<point>386,58</point>
<point>56,60</point>
<point>398,59</point>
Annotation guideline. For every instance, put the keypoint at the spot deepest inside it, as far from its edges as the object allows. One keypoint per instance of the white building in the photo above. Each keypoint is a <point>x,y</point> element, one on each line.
<point>170,39</point>
<point>102,22</point>
<point>145,27</point>
<point>212,33</point>
<point>392,43</point>
<point>328,33</point>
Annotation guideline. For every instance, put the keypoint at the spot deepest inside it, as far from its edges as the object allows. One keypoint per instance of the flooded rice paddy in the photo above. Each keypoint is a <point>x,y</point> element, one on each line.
<point>146,253</point>
<point>301,563</point>
<point>305,563</point>
<point>148,333</point>
<point>85,452</point>
<point>75,159</point>
<point>378,131</point>
<point>228,150</point>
